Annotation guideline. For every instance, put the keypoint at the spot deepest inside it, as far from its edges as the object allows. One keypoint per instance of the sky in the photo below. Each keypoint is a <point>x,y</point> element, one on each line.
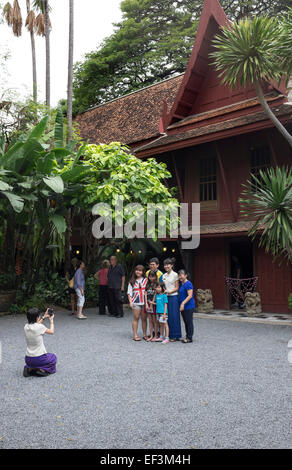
<point>93,22</point>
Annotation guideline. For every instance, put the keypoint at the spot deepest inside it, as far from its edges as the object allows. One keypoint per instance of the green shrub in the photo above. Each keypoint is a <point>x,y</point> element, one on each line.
<point>290,301</point>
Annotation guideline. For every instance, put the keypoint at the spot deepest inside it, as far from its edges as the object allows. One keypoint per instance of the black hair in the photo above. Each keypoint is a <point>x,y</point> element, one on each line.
<point>161,284</point>
<point>32,315</point>
<point>154,260</point>
<point>169,261</point>
<point>183,271</point>
<point>80,261</point>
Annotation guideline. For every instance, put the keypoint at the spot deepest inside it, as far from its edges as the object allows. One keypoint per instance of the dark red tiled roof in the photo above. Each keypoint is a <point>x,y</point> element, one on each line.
<point>197,132</point>
<point>131,118</point>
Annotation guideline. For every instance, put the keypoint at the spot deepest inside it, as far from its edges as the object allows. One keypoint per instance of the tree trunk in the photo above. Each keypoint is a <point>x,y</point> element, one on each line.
<point>48,62</point>
<point>70,70</point>
<point>68,239</point>
<point>271,115</point>
<point>33,54</point>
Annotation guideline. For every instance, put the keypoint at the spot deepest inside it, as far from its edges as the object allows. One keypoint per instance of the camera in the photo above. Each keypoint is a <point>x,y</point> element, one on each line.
<point>51,311</point>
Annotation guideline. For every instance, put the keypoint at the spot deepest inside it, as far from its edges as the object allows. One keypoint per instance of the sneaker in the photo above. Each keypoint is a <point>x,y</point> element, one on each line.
<point>166,340</point>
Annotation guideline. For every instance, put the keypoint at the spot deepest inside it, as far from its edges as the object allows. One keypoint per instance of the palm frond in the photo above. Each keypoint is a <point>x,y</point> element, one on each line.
<point>30,21</point>
<point>271,205</point>
<point>247,52</point>
<point>7,12</point>
<point>40,25</point>
<point>17,19</point>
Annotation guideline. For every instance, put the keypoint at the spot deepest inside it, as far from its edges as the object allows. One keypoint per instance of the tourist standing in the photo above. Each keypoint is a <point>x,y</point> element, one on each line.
<point>154,265</point>
<point>37,360</point>
<point>101,276</point>
<point>70,281</point>
<point>171,282</point>
<point>161,301</point>
<point>79,286</point>
<point>137,298</point>
<point>150,308</point>
<point>116,285</point>
<point>186,304</point>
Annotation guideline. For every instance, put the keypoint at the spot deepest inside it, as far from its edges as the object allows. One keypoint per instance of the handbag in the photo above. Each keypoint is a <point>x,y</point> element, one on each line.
<point>71,283</point>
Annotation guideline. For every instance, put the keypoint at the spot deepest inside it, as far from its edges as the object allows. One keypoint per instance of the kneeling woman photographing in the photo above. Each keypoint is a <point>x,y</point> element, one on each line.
<point>37,360</point>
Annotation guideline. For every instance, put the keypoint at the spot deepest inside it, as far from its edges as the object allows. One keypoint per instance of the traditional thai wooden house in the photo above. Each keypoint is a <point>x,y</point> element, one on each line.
<point>211,138</point>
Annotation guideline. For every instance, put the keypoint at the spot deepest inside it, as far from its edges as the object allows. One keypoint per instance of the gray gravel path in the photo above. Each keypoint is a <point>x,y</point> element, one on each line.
<point>231,388</point>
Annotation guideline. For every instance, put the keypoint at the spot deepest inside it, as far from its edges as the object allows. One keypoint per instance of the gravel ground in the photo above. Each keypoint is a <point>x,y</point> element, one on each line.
<point>231,388</point>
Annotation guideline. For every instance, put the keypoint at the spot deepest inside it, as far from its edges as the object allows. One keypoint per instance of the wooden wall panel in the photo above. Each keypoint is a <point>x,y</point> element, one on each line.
<point>210,269</point>
<point>275,282</point>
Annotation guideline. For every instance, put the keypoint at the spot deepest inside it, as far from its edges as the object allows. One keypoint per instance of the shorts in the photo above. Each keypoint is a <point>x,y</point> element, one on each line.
<point>161,319</point>
<point>80,298</point>
<point>138,306</point>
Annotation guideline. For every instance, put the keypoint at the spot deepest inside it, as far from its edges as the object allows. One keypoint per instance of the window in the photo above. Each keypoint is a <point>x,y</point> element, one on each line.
<point>208,179</point>
<point>260,160</point>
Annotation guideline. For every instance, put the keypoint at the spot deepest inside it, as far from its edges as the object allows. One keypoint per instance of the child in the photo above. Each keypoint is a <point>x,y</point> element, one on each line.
<point>150,307</point>
<point>137,299</point>
<point>161,312</point>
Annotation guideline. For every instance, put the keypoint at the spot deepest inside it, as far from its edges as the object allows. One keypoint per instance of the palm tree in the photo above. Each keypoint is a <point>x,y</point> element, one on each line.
<point>44,28</point>
<point>13,18</point>
<point>30,24</point>
<point>268,197</point>
<point>249,52</point>
<point>70,69</point>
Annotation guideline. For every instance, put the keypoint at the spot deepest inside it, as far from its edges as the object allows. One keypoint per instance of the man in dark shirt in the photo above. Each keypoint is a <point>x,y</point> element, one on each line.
<point>116,285</point>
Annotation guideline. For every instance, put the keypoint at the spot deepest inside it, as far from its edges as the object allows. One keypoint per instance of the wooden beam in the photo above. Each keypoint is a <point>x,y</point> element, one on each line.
<point>272,148</point>
<point>181,197</point>
<point>222,171</point>
<point>179,116</point>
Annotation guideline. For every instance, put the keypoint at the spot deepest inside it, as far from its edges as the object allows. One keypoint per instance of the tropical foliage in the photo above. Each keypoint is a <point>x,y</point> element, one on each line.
<point>44,184</point>
<point>268,199</point>
<point>252,51</point>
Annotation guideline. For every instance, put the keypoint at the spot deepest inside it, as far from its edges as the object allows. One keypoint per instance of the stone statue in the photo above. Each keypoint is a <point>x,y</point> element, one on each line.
<point>205,301</point>
<point>253,303</point>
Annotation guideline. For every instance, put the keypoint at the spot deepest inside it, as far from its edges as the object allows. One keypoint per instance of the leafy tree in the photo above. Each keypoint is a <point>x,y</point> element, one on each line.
<point>152,42</point>
<point>251,51</point>
<point>271,204</point>
<point>44,184</point>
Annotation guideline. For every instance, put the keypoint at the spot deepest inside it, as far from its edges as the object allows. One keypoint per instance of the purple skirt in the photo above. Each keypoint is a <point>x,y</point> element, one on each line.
<point>47,362</point>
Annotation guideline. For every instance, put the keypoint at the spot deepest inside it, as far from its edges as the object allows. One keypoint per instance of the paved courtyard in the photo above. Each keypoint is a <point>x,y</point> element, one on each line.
<point>231,388</point>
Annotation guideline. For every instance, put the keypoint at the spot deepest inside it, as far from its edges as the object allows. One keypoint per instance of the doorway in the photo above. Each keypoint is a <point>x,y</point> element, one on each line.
<point>240,262</point>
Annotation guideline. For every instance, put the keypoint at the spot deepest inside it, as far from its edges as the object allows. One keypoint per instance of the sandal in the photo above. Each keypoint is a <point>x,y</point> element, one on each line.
<point>136,339</point>
<point>81,317</point>
<point>186,340</point>
<point>145,338</point>
<point>149,339</point>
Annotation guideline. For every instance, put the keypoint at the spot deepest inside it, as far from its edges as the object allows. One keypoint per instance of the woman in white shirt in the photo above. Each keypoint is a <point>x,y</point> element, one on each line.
<point>171,282</point>
<point>37,360</point>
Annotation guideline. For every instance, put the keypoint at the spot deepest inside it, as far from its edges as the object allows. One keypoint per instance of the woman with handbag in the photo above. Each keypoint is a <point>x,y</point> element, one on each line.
<point>70,281</point>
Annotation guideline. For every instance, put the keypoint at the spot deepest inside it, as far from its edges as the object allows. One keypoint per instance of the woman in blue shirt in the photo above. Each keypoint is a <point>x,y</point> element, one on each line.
<point>186,304</point>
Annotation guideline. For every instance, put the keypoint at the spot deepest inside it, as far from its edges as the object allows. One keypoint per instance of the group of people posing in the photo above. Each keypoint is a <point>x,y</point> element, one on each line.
<point>160,299</point>
<point>156,298</point>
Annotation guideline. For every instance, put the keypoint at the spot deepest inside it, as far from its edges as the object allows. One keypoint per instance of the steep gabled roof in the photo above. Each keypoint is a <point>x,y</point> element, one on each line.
<point>131,118</point>
<point>201,89</point>
<point>212,18</point>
